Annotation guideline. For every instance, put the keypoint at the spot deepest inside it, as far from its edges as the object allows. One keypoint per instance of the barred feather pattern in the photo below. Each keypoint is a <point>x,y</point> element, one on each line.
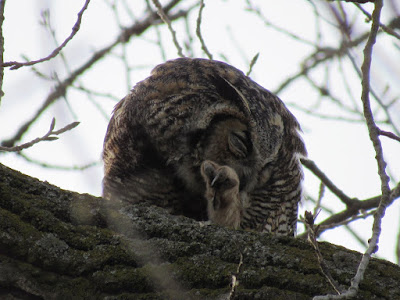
<point>194,110</point>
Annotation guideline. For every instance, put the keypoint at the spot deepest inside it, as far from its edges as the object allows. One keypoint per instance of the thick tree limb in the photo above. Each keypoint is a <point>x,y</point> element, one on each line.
<point>56,244</point>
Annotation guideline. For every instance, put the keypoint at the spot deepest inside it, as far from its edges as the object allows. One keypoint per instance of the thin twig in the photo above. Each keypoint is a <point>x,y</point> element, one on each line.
<point>354,212</point>
<point>2,5</point>
<point>251,8</point>
<point>321,193</point>
<point>136,29</point>
<point>58,92</point>
<point>189,47</point>
<point>58,167</point>
<point>49,136</point>
<point>158,34</point>
<point>365,215</point>
<point>398,247</point>
<point>311,231</point>
<point>374,136</point>
<point>252,63</point>
<point>322,115</point>
<point>167,21</point>
<point>319,56</point>
<point>124,54</point>
<point>198,31</point>
<point>374,94</point>
<point>47,24</point>
<point>385,28</point>
<point>86,90</point>
<point>309,164</point>
<point>325,91</point>
<point>235,281</point>
<point>16,65</point>
<point>388,134</point>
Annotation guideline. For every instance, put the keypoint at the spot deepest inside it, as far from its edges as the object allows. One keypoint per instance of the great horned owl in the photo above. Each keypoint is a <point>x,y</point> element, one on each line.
<point>201,139</point>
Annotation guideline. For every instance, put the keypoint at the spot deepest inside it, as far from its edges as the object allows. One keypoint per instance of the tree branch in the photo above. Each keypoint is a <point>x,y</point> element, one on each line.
<point>56,244</point>
<point>374,136</point>
<point>309,164</point>
<point>136,29</point>
<point>166,20</point>
<point>385,28</point>
<point>388,134</point>
<point>16,65</point>
<point>49,136</point>
<point>198,31</point>
<point>354,206</point>
<point>2,6</point>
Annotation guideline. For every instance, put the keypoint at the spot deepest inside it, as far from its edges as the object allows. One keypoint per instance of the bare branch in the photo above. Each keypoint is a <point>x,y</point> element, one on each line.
<point>389,135</point>
<point>321,193</point>
<point>58,167</point>
<point>2,5</point>
<point>167,21</point>
<point>198,31</point>
<point>398,247</point>
<point>311,231</point>
<point>136,29</point>
<point>374,136</point>
<point>49,136</point>
<point>251,8</point>
<point>385,28</point>
<point>374,94</point>
<point>356,212</point>
<point>356,1</point>
<point>309,164</point>
<point>16,65</point>
<point>355,208</point>
<point>324,116</point>
<point>322,228</point>
<point>235,281</point>
<point>252,63</point>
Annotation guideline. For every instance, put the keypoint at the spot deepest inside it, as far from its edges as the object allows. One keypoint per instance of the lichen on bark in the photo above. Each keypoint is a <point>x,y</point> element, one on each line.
<point>57,244</point>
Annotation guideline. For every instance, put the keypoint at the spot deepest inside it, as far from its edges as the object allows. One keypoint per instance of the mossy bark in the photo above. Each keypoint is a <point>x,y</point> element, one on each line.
<point>57,244</point>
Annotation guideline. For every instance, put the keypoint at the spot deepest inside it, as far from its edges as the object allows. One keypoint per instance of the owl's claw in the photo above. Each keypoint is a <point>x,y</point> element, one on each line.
<point>222,194</point>
<point>214,180</point>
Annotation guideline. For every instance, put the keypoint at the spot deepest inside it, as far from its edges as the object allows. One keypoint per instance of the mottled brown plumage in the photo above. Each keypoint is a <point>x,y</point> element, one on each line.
<point>194,110</point>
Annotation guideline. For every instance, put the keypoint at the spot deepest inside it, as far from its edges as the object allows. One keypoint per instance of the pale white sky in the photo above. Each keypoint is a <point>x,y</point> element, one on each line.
<point>341,149</point>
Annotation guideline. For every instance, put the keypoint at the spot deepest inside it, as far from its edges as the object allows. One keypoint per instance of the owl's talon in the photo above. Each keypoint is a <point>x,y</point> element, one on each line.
<point>222,194</point>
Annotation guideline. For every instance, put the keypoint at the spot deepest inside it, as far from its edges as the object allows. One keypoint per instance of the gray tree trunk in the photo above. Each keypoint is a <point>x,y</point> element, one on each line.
<point>57,244</point>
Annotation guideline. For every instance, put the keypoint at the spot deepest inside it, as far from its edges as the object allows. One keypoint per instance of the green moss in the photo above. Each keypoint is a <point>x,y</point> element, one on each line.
<point>11,226</point>
<point>122,279</point>
<point>204,271</point>
<point>48,236</point>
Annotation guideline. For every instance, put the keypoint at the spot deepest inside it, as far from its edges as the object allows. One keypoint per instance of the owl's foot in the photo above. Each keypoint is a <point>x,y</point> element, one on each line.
<point>222,194</point>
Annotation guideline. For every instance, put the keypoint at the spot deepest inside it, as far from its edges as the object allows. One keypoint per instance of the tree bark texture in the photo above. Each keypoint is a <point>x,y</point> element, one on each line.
<point>57,244</point>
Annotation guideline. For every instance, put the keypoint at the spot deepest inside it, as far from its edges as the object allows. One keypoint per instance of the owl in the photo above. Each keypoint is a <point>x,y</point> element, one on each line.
<point>203,140</point>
